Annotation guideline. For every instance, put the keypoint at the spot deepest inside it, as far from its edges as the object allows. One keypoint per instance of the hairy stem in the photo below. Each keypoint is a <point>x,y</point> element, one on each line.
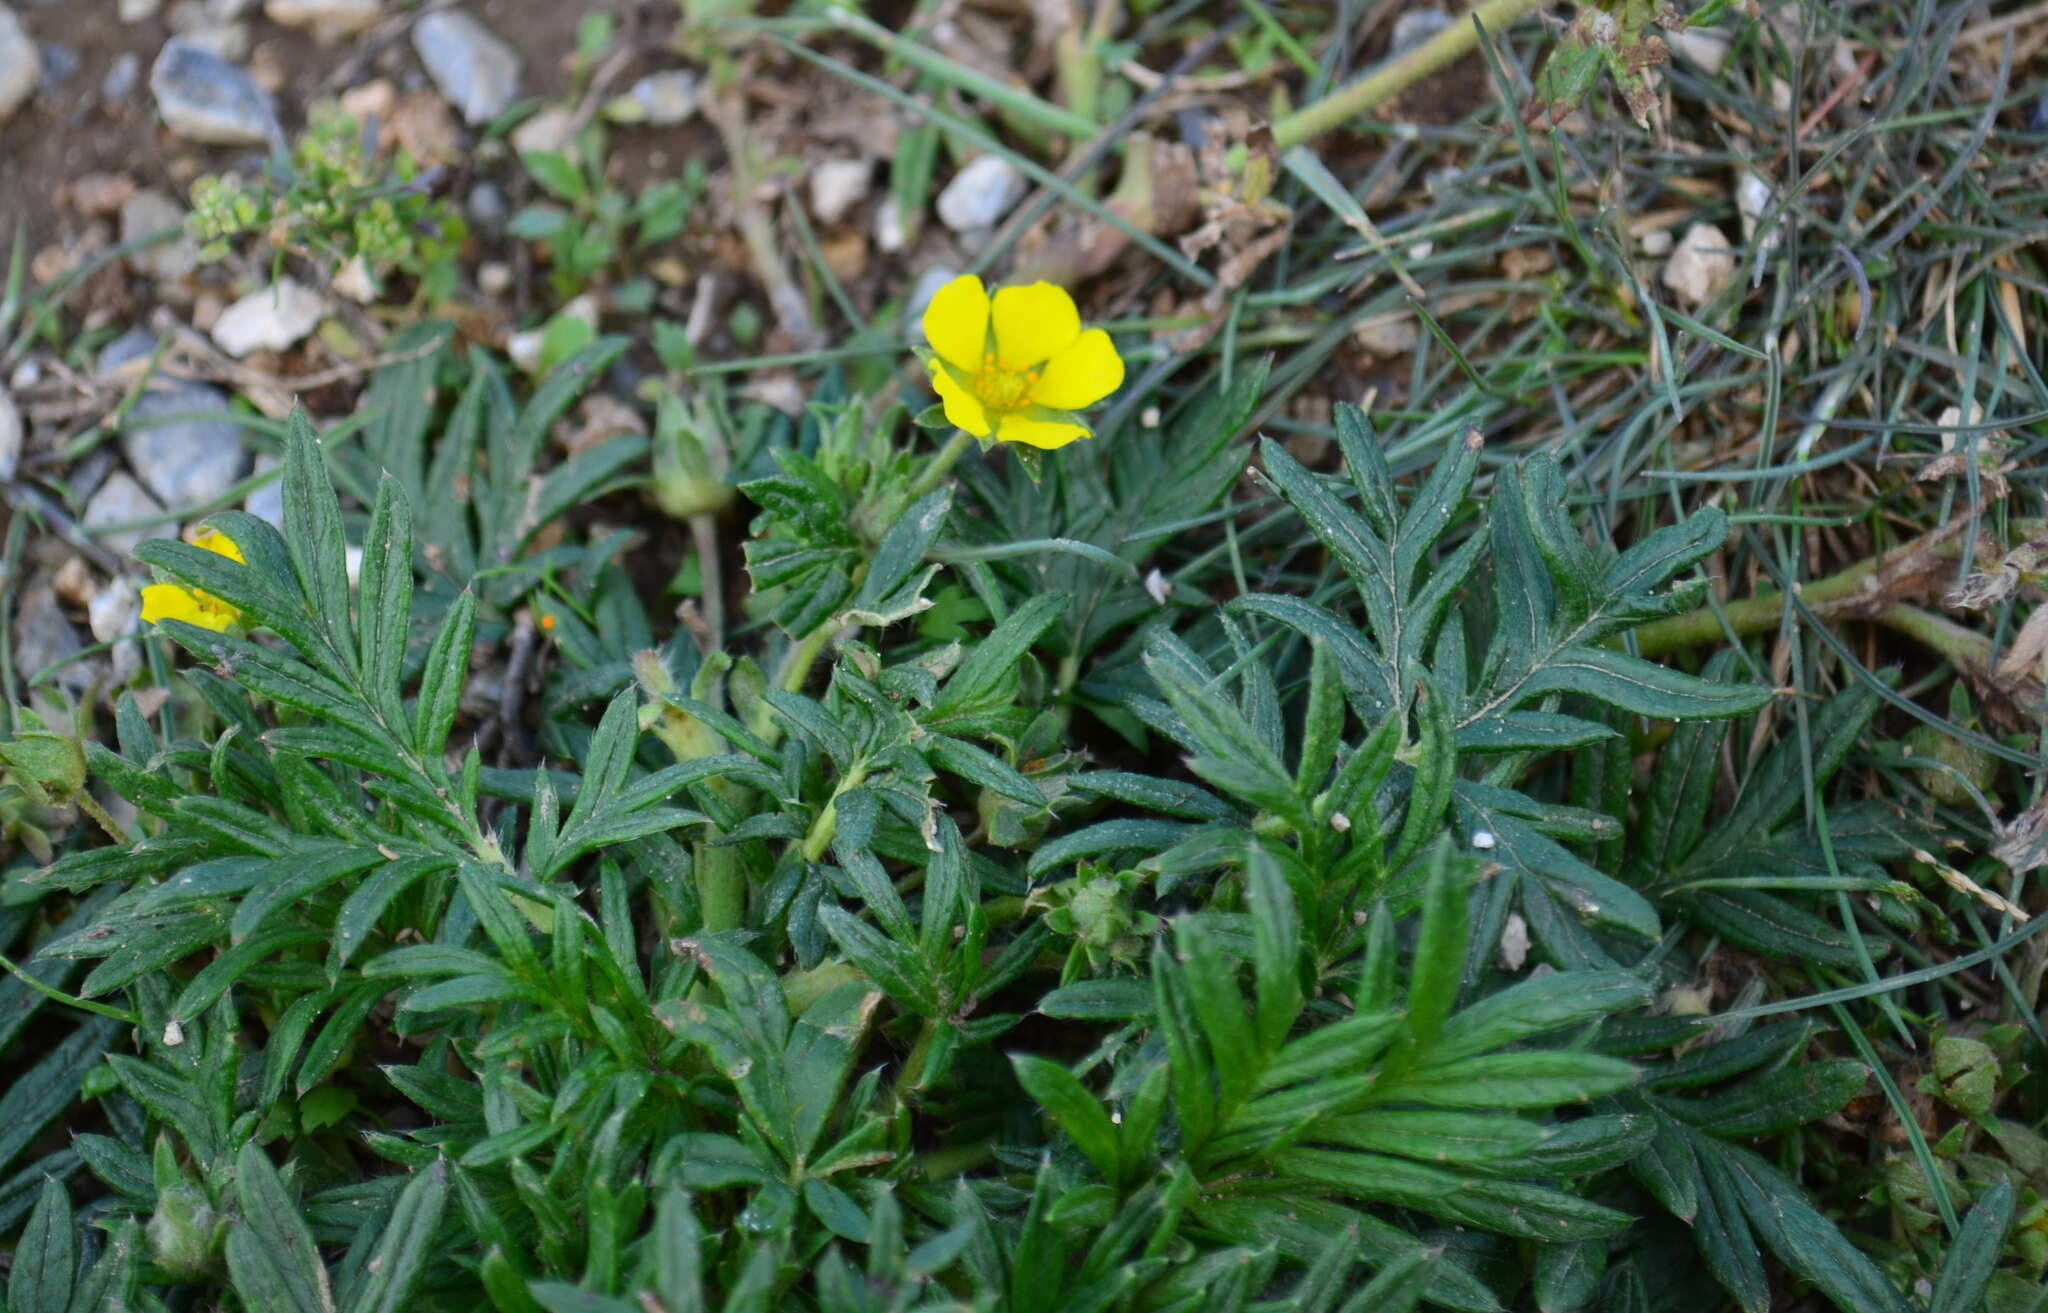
<point>941,465</point>
<point>56,995</point>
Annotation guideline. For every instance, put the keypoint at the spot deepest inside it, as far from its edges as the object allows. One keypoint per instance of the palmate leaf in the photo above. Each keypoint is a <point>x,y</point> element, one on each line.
<point>1557,606</point>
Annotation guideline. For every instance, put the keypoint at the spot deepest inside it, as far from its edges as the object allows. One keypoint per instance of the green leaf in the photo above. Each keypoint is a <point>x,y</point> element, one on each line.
<point>553,171</point>
<point>313,535</point>
<point>1774,1102</point>
<point>1119,999</point>
<point>1535,1007</point>
<point>385,600</point>
<point>403,1251</point>
<point>1643,687</point>
<point>1973,1256</point>
<point>1512,1080</point>
<point>46,1257</point>
<point>272,1262</point>
<point>1075,1110</point>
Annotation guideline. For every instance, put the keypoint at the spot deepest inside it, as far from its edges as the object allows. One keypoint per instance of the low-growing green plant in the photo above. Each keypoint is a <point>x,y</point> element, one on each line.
<point>335,200</point>
<point>592,224</point>
<point>1103,948</point>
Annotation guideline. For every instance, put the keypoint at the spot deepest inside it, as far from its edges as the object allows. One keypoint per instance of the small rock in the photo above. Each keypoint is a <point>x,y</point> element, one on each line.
<point>1388,335</point>
<point>74,581</point>
<point>1753,198</point>
<point>113,615</point>
<point>204,98</point>
<point>487,207</point>
<point>328,20</point>
<point>21,64</point>
<point>353,281</point>
<point>922,291</point>
<point>980,194</point>
<point>135,344</point>
<point>372,100</point>
<point>267,502</point>
<point>1657,242</point>
<point>524,348</point>
<point>837,186</point>
<point>191,20</point>
<point>1702,265</point>
<point>120,500</point>
<point>99,194</point>
<point>138,11</point>
<point>552,130</point>
<point>273,318</point>
<point>43,637</point>
<point>12,431</point>
<point>423,125</point>
<point>1415,27</point>
<point>172,261</point>
<point>494,278</point>
<point>26,375</point>
<point>122,75</point>
<point>1703,47</point>
<point>477,72</point>
<point>890,235</point>
<point>59,63</point>
<point>184,462</point>
<point>114,610</point>
<point>665,99</point>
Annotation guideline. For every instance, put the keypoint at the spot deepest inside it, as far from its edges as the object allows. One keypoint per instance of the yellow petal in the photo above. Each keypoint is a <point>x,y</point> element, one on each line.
<point>169,602</point>
<point>1041,428</point>
<point>956,323</point>
<point>963,409</point>
<point>213,540</point>
<point>1081,375</point>
<point>1034,323</point>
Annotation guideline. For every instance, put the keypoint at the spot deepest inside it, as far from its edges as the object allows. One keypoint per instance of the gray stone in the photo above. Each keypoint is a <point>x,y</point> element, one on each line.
<point>1702,265</point>
<point>184,462</point>
<point>113,615</point>
<point>147,212</point>
<point>137,11</point>
<point>921,293</point>
<point>135,344</point>
<point>21,64</point>
<point>192,20</point>
<point>665,99</point>
<point>477,72</point>
<point>204,98</point>
<point>1703,47</point>
<point>980,194</point>
<point>328,20</point>
<point>12,431</point>
<point>59,63</point>
<point>43,637</point>
<point>122,75</point>
<point>121,500</point>
<point>267,501</point>
<point>274,318</point>
<point>837,186</point>
<point>487,207</point>
<point>1415,27</point>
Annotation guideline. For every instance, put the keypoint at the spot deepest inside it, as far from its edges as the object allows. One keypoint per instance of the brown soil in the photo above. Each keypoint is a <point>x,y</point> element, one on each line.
<point>67,130</point>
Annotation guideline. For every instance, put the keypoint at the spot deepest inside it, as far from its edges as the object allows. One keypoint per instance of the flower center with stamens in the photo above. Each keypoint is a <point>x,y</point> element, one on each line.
<point>1000,389</point>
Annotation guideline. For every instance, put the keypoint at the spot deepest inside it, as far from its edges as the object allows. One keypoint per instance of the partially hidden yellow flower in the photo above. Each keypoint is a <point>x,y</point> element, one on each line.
<point>192,605</point>
<point>1013,366</point>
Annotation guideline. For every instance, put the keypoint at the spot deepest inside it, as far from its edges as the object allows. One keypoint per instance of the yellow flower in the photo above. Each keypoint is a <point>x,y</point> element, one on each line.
<point>192,605</point>
<point>1013,365</point>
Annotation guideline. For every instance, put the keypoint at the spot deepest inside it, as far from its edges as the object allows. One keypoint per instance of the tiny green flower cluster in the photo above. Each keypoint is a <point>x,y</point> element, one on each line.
<point>337,200</point>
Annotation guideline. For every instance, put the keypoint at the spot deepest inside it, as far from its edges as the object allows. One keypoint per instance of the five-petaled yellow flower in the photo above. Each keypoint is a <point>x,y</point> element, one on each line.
<point>1013,366</point>
<point>192,605</point>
